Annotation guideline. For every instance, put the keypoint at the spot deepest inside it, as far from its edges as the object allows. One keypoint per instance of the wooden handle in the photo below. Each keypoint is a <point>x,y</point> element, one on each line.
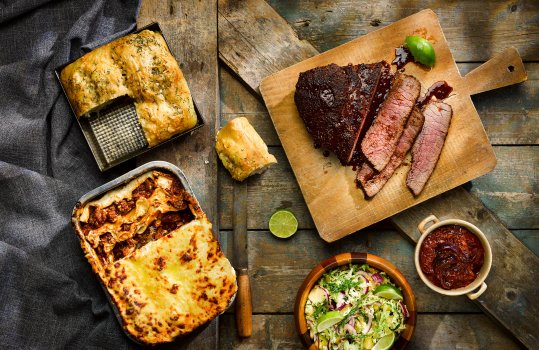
<point>504,69</point>
<point>244,306</point>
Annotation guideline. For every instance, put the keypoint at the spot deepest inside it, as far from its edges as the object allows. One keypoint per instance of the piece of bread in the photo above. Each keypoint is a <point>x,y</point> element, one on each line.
<point>140,66</point>
<point>153,249</point>
<point>242,150</point>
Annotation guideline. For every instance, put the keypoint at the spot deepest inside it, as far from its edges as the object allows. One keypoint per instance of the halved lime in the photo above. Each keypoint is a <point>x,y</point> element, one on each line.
<point>329,319</point>
<point>385,342</point>
<point>283,223</point>
<point>388,291</point>
<point>421,49</point>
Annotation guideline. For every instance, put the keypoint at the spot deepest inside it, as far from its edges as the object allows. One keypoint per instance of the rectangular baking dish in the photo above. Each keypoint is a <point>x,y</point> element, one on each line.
<point>99,147</point>
<point>120,181</point>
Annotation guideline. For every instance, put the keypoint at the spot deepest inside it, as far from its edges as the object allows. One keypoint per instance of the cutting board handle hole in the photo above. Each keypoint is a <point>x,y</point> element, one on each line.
<point>510,69</point>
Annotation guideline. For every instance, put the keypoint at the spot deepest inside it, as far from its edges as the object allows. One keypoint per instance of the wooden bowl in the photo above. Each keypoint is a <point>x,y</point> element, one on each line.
<point>355,258</point>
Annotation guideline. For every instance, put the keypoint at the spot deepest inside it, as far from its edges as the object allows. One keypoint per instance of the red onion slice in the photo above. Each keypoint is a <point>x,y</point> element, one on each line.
<point>365,275</point>
<point>404,309</point>
<point>342,306</point>
<point>332,305</point>
<point>367,327</point>
<point>340,301</point>
<point>377,278</point>
<point>326,292</point>
<point>350,329</point>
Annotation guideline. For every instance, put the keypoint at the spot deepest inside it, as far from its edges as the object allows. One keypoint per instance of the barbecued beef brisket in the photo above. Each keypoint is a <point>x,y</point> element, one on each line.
<point>372,182</point>
<point>336,103</point>
<point>428,146</point>
<point>380,93</point>
<point>382,137</point>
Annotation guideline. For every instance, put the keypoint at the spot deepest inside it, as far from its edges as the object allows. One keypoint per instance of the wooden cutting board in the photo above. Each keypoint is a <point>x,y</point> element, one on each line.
<point>337,206</point>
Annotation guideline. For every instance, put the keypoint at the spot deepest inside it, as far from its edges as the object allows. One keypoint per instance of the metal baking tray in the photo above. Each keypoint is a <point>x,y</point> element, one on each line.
<point>120,181</point>
<point>113,132</point>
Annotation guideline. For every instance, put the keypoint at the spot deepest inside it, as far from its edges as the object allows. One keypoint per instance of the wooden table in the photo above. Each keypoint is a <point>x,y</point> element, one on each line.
<point>475,31</point>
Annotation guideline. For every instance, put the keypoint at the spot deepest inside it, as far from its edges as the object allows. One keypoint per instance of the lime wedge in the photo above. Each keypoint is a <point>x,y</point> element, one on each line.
<point>388,291</point>
<point>385,342</point>
<point>329,319</point>
<point>283,223</point>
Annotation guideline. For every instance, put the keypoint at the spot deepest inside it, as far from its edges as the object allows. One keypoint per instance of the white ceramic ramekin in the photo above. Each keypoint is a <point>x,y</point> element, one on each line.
<point>479,282</point>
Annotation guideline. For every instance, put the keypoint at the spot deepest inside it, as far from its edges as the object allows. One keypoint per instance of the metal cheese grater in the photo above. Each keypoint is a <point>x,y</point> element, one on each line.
<point>117,131</point>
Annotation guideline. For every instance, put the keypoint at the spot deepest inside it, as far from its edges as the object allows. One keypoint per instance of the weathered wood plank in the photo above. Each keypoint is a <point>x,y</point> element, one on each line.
<point>433,331</point>
<point>190,28</point>
<point>269,332</point>
<point>253,83</point>
<point>262,201</point>
<point>516,169</point>
<point>236,96</point>
<point>511,296</point>
<point>475,30</point>
<point>243,26</point>
<point>278,267</point>
<point>191,32</point>
<point>493,117</point>
<point>512,189</point>
<point>510,115</point>
<point>530,238</point>
<point>508,206</point>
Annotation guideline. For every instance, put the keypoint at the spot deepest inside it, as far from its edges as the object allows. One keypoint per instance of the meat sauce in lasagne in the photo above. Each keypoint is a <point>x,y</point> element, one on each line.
<point>153,249</point>
<point>127,224</point>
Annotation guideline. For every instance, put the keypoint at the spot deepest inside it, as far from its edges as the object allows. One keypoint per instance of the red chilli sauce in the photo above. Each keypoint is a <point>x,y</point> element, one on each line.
<point>451,256</point>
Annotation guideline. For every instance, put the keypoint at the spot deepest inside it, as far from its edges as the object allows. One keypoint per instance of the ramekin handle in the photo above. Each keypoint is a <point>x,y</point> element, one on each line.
<point>477,294</point>
<point>422,225</point>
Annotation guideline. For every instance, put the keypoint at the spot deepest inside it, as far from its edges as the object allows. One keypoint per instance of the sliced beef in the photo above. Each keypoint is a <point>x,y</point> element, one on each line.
<point>371,181</point>
<point>428,146</point>
<point>382,137</point>
<point>334,103</point>
<point>381,90</point>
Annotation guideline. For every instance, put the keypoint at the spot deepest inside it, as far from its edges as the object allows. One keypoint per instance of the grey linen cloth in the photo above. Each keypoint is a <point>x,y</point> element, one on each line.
<point>49,298</point>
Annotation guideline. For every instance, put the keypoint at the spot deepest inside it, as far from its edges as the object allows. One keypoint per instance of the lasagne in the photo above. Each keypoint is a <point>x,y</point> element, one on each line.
<point>140,66</point>
<point>153,249</point>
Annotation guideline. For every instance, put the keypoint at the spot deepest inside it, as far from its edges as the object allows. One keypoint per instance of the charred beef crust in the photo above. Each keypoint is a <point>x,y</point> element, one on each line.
<point>335,104</point>
<point>372,182</point>
<point>327,106</point>
<point>428,146</point>
<point>382,137</point>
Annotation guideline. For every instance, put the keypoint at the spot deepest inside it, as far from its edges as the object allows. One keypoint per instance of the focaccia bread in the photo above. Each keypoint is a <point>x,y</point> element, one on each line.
<point>141,67</point>
<point>242,150</point>
<point>154,251</point>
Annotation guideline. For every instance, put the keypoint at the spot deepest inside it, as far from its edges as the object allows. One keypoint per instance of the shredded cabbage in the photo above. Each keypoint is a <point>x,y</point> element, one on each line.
<point>367,317</point>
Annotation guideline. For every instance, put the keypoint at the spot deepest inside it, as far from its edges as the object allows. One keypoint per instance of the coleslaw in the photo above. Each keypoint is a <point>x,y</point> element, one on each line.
<point>352,307</point>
